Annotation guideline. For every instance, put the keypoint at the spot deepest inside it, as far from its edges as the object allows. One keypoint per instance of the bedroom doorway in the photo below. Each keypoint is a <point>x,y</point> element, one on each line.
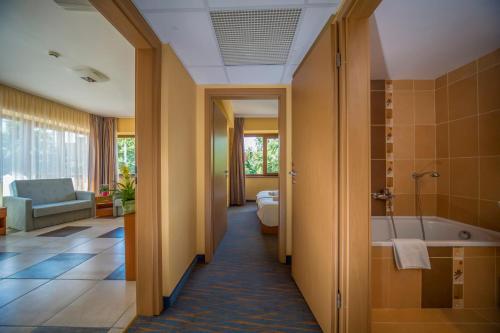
<point>246,166</point>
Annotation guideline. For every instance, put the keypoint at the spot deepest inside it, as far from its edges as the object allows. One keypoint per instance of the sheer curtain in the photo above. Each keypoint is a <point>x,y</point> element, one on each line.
<point>41,139</point>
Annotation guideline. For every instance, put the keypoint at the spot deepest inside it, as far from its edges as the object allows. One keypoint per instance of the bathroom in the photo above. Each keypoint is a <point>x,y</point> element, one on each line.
<point>435,167</point>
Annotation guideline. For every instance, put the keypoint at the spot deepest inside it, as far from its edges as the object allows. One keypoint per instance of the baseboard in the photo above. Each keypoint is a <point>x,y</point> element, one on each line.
<point>288,260</point>
<point>168,301</point>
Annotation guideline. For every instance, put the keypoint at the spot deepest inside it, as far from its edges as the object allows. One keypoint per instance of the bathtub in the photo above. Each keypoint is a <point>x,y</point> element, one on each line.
<point>463,274</point>
<point>439,232</point>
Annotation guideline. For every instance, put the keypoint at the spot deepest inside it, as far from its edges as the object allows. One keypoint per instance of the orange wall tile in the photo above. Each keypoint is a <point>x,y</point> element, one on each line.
<point>468,142</point>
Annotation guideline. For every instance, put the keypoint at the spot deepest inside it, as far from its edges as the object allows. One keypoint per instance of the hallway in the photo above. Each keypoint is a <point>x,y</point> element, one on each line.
<point>244,289</point>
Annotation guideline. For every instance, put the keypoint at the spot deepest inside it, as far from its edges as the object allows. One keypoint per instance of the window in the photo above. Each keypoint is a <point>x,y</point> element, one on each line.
<point>261,155</point>
<point>33,150</point>
<point>126,152</point>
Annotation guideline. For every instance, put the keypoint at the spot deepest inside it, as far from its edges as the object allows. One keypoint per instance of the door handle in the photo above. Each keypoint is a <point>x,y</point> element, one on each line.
<point>293,173</point>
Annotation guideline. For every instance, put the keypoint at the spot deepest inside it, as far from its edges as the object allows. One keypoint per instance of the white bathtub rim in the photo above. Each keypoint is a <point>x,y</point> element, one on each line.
<point>443,243</point>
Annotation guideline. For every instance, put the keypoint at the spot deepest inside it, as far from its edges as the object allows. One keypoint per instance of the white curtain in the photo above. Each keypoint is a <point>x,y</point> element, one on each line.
<point>41,139</point>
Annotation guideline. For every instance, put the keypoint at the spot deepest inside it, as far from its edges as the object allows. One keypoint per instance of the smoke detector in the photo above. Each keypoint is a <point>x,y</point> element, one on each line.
<point>90,75</point>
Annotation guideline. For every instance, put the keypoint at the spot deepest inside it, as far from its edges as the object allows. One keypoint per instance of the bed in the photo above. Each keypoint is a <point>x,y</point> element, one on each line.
<point>268,211</point>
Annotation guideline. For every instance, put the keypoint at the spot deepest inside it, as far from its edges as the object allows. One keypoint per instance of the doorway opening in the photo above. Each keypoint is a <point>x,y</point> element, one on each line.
<point>246,162</point>
<point>429,117</point>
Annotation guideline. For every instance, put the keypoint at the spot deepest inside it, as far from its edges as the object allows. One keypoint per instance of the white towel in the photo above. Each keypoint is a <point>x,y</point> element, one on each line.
<point>411,254</point>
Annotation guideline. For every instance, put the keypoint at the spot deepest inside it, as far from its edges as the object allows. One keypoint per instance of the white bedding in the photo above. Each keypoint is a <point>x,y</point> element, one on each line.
<point>268,208</point>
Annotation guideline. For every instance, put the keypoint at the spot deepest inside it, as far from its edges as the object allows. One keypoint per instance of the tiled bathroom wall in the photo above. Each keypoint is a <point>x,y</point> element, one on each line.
<point>378,144</point>
<point>414,149</point>
<point>451,124</point>
<point>468,142</point>
<point>403,141</point>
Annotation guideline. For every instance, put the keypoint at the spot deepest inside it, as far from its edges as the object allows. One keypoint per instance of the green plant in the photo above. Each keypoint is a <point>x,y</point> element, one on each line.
<point>126,189</point>
<point>104,189</point>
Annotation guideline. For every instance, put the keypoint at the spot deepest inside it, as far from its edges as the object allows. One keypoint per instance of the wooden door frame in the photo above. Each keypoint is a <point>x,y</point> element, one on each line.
<point>354,165</point>
<point>125,17</point>
<point>213,94</point>
<point>354,216</point>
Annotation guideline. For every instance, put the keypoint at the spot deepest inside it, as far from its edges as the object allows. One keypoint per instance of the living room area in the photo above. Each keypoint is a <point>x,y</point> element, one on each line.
<point>67,163</point>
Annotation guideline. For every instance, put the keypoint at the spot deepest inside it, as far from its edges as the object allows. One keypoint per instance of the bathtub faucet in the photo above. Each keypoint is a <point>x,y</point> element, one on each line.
<point>384,194</point>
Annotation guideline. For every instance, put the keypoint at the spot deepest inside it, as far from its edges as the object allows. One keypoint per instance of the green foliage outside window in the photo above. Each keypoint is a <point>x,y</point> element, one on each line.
<point>273,155</point>
<point>126,153</point>
<point>254,155</point>
<point>254,163</point>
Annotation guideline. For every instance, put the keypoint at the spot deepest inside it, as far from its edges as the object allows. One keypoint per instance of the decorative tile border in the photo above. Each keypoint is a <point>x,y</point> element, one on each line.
<point>389,158</point>
<point>458,277</point>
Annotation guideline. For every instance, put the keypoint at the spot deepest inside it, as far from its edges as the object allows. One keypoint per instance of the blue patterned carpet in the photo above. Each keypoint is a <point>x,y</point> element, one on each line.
<point>244,289</point>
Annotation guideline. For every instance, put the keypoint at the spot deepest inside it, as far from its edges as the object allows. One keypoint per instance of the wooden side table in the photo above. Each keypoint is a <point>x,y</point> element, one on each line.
<point>103,206</point>
<point>3,221</point>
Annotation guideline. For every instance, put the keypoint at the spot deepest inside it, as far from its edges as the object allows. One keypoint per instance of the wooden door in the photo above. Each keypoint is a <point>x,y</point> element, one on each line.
<point>220,148</point>
<point>314,156</point>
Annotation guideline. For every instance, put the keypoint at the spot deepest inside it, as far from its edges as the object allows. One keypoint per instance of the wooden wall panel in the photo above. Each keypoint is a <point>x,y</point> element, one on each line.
<point>125,17</point>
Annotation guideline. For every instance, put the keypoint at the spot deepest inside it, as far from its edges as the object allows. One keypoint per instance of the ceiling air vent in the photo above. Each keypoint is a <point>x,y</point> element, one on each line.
<point>75,5</point>
<point>90,75</point>
<point>255,37</point>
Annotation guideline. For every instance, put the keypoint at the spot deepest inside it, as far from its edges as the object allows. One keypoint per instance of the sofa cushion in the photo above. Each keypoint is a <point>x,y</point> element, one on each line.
<point>60,207</point>
<point>44,191</point>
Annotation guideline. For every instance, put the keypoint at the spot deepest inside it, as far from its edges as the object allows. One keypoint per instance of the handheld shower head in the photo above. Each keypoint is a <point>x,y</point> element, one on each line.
<point>433,174</point>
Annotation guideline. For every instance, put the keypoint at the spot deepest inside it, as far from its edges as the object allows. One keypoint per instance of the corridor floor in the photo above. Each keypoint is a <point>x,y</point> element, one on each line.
<point>244,289</point>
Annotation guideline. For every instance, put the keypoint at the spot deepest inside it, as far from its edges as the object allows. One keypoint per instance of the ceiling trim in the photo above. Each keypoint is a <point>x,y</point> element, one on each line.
<point>140,34</point>
<point>303,6</point>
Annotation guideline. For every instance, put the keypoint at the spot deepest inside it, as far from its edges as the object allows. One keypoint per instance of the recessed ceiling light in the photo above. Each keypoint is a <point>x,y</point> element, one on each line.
<point>54,54</point>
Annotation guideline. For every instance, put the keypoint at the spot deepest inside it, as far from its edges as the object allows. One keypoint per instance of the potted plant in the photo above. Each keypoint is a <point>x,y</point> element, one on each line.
<point>104,190</point>
<point>125,190</point>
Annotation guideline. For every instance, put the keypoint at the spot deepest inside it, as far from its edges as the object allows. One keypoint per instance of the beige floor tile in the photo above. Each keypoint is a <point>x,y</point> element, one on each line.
<point>21,261</point>
<point>116,330</point>
<point>127,317</point>
<point>96,245</point>
<point>97,268</point>
<point>118,248</point>
<point>100,306</point>
<point>44,302</point>
<point>10,289</point>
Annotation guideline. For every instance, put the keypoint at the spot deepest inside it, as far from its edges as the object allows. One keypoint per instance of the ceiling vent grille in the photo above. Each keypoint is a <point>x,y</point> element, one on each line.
<point>255,37</point>
<point>76,5</point>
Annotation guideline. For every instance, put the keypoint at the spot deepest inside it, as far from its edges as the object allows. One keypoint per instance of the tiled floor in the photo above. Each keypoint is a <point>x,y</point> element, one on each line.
<point>66,284</point>
<point>436,321</point>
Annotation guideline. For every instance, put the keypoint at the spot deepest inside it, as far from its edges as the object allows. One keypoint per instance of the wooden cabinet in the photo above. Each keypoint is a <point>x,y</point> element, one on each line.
<point>103,206</point>
<point>3,221</point>
<point>129,223</point>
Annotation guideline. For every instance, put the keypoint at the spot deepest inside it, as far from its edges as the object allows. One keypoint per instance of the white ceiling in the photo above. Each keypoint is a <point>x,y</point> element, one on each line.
<point>255,108</point>
<point>30,28</point>
<point>423,39</point>
<point>186,26</point>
